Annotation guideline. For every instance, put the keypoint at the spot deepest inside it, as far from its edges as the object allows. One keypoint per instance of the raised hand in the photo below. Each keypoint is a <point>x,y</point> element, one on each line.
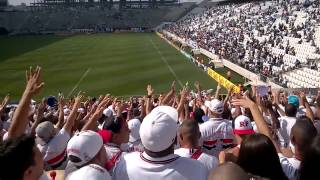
<point>173,86</point>
<point>243,101</point>
<point>197,85</point>
<point>149,90</point>
<point>302,95</point>
<point>4,103</point>
<point>34,83</point>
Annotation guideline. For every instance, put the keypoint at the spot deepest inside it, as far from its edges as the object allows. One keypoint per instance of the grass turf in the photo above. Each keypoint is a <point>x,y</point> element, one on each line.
<point>120,64</point>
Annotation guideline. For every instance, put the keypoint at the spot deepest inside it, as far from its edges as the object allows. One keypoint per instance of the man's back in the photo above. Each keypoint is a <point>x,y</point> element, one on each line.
<point>136,166</point>
<point>210,162</point>
<point>216,135</point>
<point>286,124</point>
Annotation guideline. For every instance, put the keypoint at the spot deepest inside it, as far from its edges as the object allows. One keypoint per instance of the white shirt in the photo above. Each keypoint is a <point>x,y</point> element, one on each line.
<point>290,166</point>
<point>114,153</point>
<point>92,172</point>
<point>216,135</point>
<point>286,124</point>
<point>132,146</point>
<point>137,166</point>
<point>54,152</point>
<point>210,162</point>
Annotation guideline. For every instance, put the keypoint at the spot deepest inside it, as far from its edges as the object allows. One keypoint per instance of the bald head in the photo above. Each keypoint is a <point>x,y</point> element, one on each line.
<point>228,171</point>
<point>189,133</point>
<point>303,133</point>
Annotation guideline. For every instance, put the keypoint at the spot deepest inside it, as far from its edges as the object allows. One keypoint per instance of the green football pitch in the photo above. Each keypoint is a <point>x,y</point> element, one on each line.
<point>119,64</point>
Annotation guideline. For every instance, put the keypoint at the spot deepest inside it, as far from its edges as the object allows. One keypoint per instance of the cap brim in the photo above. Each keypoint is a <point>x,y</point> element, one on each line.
<point>242,132</point>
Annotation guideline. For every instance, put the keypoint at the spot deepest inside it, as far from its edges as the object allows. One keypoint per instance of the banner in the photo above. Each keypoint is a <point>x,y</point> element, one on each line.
<point>222,80</point>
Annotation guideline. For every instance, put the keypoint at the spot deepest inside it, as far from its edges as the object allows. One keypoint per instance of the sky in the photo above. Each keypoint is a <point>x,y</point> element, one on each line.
<point>18,2</point>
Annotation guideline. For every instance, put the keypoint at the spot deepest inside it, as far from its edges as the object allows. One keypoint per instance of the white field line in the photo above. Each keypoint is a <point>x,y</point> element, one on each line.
<point>78,83</point>
<point>166,62</point>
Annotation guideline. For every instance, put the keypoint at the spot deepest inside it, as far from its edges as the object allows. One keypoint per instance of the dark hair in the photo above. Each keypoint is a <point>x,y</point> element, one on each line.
<point>308,167</point>
<point>198,113</point>
<point>258,156</point>
<point>16,156</point>
<point>113,124</point>
<point>190,129</point>
<point>290,110</point>
<point>302,139</point>
<point>226,114</point>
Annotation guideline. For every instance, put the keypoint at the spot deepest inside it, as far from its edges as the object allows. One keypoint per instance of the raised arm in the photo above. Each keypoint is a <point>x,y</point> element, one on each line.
<point>149,98</point>
<point>4,104</point>
<point>168,97</point>
<point>92,122</point>
<point>40,111</point>
<point>182,101</point>
<point>303,102</point>
<point>257,116</point>
<point>216,96</point>
<point>143,107</point>
<point>61,113</point>
<point>20,117</point>
<point>73,114</point>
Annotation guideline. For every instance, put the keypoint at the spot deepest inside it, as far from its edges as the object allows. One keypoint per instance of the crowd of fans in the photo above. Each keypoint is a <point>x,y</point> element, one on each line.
<point>248,34</point>
<point>186,134</point>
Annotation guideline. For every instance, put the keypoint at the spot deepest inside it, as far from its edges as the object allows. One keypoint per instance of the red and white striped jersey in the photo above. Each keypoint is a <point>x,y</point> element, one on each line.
<point>210,162</point>
<point>216,135</point>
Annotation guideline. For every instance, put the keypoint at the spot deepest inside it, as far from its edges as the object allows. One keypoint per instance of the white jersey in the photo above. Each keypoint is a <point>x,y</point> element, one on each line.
<point>210,162</point>
<point>136,166</point>
<point>216,135</point>
<point>290,166</point>
<point>286,124</point>
<point>133,146</point>
<point>54,152</point>
<point>113,155</point>
<point>91,171</point>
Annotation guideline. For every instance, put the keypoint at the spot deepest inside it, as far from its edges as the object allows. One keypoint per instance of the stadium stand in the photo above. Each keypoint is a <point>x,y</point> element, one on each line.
<point>256,132</point>
<point>272,38</point>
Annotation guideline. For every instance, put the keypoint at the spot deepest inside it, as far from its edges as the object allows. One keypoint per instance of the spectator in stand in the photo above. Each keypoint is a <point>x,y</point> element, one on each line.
<point>20,159</point>
<point>228,171</point>
<point>216,133</point>
<point>188,138</point>
<point>158,133</point>
<point>86,150</point>
<point>308,168</point>
<point>302,134</point>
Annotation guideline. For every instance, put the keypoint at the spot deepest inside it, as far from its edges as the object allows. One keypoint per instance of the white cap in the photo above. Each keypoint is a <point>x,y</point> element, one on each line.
<point>215,106</point>
<point>92,172</point>
<point>159,128</point>
<point>134,127</point>
<point>107,112</point>
<point>84,146</point>
<point>44,132</point>
<point>66,111</point>
<point>242,125</point>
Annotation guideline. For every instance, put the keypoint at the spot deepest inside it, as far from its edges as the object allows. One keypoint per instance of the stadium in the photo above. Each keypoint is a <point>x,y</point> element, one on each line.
<point>93,73</point>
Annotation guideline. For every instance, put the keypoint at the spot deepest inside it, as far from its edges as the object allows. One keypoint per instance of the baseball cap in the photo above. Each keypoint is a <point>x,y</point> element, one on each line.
<point>293,100</point>
<point>85,146</point>
<point>44,132</point>
<point>105,135</point>
<point>107,112</point>
<point>242,125</point>
<point>91,171</point>
<point>215,106</point>
<point>158,129</point>
<point>134,127</point>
